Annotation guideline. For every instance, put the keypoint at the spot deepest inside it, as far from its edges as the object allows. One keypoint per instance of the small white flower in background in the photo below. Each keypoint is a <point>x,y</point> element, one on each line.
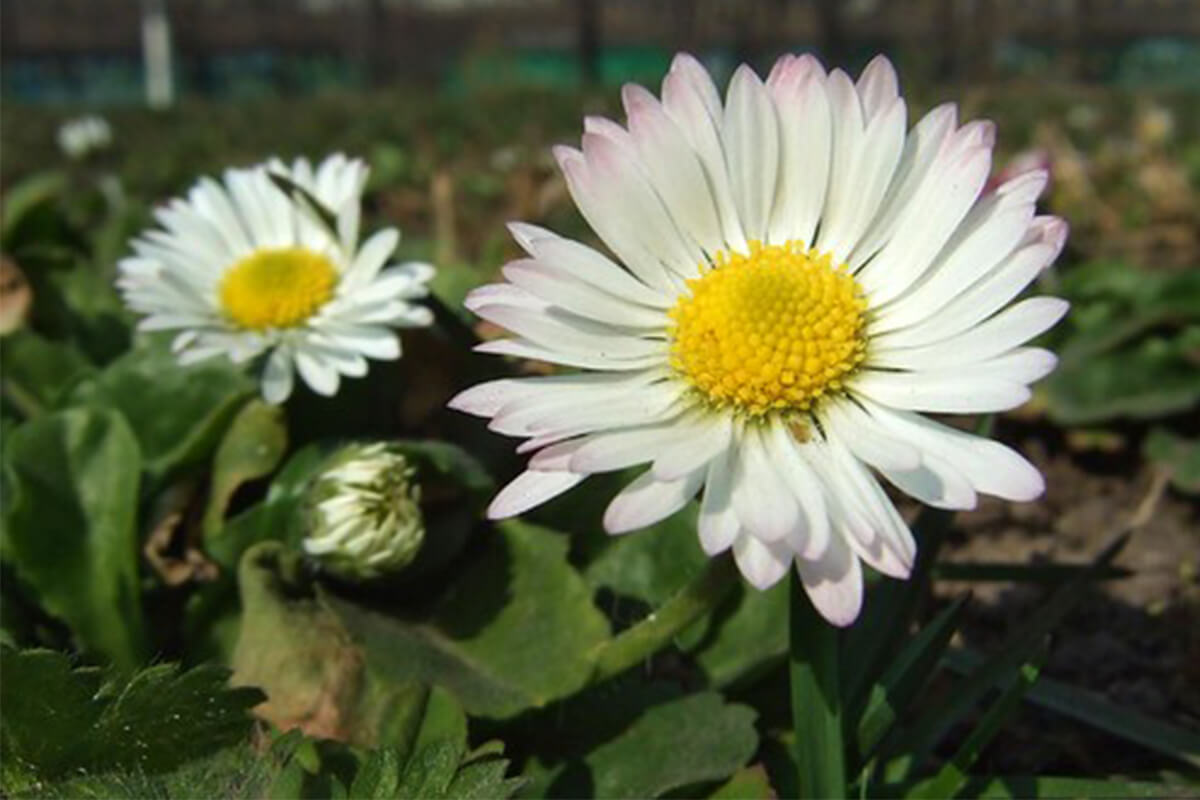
<point>83,136</point>
<point>366,515</point>
<point>797,279</point>
<point>241,269</point>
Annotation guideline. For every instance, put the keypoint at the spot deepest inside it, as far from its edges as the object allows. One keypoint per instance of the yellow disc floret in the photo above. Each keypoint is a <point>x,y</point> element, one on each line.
<point>277,288</point>
<point>772,331</point>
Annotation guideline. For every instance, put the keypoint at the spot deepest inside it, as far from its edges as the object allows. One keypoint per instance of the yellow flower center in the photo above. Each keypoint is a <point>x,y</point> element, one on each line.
<point>277,288</point>
<point>771,331</point>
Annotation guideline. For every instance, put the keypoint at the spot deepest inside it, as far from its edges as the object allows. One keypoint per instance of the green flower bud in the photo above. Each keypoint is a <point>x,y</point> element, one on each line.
<point>365,518</point>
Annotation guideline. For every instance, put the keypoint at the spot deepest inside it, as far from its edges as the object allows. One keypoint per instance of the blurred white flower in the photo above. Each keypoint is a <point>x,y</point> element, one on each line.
<point>242,268</point>
<point>366,516</point>
<point>82,136</point>
<point>797,279</point>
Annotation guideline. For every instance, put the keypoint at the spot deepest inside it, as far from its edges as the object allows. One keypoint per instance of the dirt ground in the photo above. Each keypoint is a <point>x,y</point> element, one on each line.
<point>1134,640</point>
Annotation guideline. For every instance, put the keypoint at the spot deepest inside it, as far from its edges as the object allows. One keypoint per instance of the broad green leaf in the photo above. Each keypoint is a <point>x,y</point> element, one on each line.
<point>695,739</point>
<point>951,778</point>
<point>37,192</point>
<point>748,783</point>
<point>1178,454</point>
<point>1150,378</point>
<point>251,448</point>
<point>38,371</point>
<point>1093,709</point>
<point>60,722</point>
<point>179,413</point>
<point>70,526</point>
<point>514,631</point>
<point>911,668</point>
<point>747,634</point>
<point>653,565</point>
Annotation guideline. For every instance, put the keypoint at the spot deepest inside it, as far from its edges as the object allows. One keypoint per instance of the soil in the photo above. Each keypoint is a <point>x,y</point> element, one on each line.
<point>1135,640</point>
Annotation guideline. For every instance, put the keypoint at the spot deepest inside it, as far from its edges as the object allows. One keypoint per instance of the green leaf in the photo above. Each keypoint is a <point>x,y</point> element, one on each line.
<point>70,526</point>
<point>38,371</point>
<point>747,634</point>
<point>38,191</point>
<point>816,699</point>
<point>909,671</point>
<point>514,631</point>
<point>58,722</point>
<point>951,778</point>
<point>748,783</point>
<point>179,412</point>
<point>1093,709</point>
<point>1025,787</point>
<point>251,448</point>
<point>695,739</point>
<point>1179,455</point>
<point>653,565</point>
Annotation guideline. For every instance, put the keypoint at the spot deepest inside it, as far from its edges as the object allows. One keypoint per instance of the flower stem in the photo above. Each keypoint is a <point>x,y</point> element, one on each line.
<point>816,701</point>
<point>703,594</point>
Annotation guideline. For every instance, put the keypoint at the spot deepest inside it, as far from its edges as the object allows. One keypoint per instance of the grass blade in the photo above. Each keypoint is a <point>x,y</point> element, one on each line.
<point>909,671</point>
<point>1020,648</point>
<point>890,607</point>
<point>952,777</point>
<point>816,700</point>
<point>304,197</point>
<point>1093,709</point>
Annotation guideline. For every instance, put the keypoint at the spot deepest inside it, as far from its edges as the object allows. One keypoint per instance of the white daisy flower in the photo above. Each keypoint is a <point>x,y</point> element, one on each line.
<point>242,269</point>
<point>82,136</point>
<point>366,518</point>
<point>798,279</point>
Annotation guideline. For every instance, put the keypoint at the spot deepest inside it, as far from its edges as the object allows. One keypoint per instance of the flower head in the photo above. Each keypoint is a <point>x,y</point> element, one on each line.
<point>366,516</point>
<point>241,268</point>
<point>82,136</point>
<point>797,278</point>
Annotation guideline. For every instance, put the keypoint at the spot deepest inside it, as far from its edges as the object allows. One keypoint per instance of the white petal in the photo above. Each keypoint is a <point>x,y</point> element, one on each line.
<point>585,264</point>
<point>645,501</point>
<point>765,505</point>
<point>530,488</point>
<point>597,198</point>
<point>614,450</point>
<point>846,422</point>
<point>805,149</point>
<point>277,377</point>
<point>691,100</point>
<point>707,438</point>
<point>991,467</point>
<point>751,133</point>
<point>522,348</point>
<point>321,377</point>
<point>950,393</point>
<point>834,583</point>
<point>811,539</point>
<point>1009,329</point>
<point>581,298</point>
<point>673,167</point>
<point>718,524</point>
<point>761,563</point>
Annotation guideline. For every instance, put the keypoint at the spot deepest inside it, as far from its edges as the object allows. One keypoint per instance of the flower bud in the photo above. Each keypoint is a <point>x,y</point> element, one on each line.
<point>365,518</point>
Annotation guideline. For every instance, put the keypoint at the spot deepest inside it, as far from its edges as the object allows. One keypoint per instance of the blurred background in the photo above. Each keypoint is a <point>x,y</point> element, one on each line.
<point>455,103</point>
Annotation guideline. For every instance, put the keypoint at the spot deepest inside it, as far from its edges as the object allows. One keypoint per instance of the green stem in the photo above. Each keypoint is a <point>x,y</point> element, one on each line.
<point>816,700</point>
<point>656,631</point>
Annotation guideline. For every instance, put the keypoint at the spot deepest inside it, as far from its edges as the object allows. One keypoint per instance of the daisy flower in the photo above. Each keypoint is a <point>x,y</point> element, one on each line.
<point>797,278</point>
<point>240,268</point>
<point>82,136</point>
